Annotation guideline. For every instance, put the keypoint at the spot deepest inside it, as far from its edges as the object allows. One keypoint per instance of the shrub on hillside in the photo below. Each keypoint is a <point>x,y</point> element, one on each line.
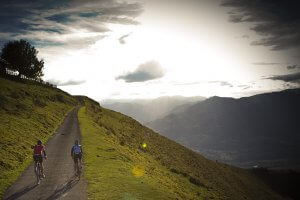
<point>21,107</point>
<point>3,101</point>
<point>14,95</point>
<point>196,181</point>
<point>39,102</point>
<point>60,98</point>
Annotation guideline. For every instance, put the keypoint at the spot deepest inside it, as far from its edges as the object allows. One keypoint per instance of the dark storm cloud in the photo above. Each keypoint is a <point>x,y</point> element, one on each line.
<point>60,18</point>
<point>291,78</point>
<point>277,20</point>
<point>147,71</point>
<point>57,21</point>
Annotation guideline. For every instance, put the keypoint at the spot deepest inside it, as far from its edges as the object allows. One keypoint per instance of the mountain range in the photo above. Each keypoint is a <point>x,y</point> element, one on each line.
<point>146,110</point>
<point>261,130</point>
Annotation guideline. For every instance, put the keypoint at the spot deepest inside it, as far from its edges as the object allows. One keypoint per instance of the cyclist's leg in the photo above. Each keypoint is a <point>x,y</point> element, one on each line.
<point>80,160</point>
<point>38,171</point>
<point>75,164</point>
<point>35,164</point>
<point>42,166</point>
<point>77,158</point>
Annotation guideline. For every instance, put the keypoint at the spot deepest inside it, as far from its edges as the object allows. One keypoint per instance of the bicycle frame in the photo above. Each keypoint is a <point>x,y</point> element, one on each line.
<point>38,171</point>
<point>77,168</point>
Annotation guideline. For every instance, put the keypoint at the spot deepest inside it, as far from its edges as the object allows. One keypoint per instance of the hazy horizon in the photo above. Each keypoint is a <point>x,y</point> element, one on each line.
<point>114,100</point>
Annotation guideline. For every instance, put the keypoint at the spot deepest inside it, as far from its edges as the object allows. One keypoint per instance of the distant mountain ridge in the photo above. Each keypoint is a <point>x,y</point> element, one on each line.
<point>263,129</point>
<point>146,110</point>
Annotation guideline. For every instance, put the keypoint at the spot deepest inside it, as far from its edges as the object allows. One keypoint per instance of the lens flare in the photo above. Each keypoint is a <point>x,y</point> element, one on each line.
<point>144,145</point>
<point>138,171</point>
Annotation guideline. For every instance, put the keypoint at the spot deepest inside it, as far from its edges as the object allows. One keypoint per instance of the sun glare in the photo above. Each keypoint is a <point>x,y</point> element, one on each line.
<point>183,55</point>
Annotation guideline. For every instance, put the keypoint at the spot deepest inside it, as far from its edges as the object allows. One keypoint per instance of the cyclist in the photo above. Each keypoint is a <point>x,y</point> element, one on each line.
<point>39,152</point>
<point>76,153</point>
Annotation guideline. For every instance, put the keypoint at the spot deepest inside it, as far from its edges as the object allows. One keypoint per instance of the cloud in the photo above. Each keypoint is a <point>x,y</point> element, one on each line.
<point>64,22</point>
<point>244,87</point>
<point>222,83</point>
<point>266,63</point>
<point>291,78</point>
<point>290,67</point>
<point>116,94</point>
<point>147,71</point>
<point>191,83</point>
<point>65,83</point>
<point>278,21</point>
<point>246,36</point>
<point>122,38</point>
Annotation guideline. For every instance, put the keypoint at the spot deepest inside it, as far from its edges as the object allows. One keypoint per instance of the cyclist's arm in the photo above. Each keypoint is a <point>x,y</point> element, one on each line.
<point>72,151</point>
<point>44,151</point>
<point>33,147</point>
<point>81,149</point>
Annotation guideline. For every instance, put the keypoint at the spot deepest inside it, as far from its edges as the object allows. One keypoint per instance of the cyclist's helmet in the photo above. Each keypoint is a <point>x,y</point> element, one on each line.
<point>39,142</point>
<point>76,142</point>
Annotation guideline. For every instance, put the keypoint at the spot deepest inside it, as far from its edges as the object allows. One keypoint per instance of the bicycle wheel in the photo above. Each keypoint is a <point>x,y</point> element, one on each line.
<point>78,170</point>
<point>75,167</point>
<point>38,172</point>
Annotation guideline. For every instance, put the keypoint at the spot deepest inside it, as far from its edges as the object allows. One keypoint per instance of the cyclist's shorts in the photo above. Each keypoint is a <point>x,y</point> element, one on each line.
<point>77,156</point>
<point>38,158</point>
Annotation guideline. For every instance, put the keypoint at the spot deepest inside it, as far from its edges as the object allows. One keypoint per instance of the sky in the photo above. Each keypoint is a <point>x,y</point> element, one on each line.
<point>114,49</point>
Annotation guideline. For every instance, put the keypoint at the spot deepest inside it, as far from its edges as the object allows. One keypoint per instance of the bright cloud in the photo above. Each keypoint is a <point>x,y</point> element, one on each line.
<point>120,49</point>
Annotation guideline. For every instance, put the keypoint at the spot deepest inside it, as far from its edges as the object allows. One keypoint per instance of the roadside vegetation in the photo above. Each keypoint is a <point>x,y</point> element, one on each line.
<point>28,111</point>
<point>125,160</point>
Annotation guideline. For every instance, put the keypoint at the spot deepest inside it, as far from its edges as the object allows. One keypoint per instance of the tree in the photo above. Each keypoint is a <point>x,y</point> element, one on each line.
<point>3,65</point>
<point>22,57</point>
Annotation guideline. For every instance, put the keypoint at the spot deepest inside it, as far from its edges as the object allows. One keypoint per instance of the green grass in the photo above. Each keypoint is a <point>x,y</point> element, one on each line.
<point>27,112</point>
<point>123,159</point>
<point>118,166</point>
<point>113,171</point>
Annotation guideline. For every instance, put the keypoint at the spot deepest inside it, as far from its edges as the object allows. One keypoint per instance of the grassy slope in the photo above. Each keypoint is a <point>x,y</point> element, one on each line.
<point>118,167</point>
<point>27,112</point>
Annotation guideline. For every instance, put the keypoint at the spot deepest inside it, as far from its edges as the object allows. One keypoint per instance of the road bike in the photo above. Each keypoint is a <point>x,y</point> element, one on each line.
<point>77,168</point>
<point>38,172</point>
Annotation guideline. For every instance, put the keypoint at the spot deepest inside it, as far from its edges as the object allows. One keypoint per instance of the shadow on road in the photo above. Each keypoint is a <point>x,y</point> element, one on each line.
<point>21,192</point>
<point>64,189</point>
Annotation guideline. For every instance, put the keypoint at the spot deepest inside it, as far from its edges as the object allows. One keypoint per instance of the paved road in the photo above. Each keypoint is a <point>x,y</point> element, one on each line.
<point>60,182</point>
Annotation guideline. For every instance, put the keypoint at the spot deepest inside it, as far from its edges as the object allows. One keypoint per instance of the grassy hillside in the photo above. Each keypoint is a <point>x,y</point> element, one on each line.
<point>125,160</point>
<point>27,112</point>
